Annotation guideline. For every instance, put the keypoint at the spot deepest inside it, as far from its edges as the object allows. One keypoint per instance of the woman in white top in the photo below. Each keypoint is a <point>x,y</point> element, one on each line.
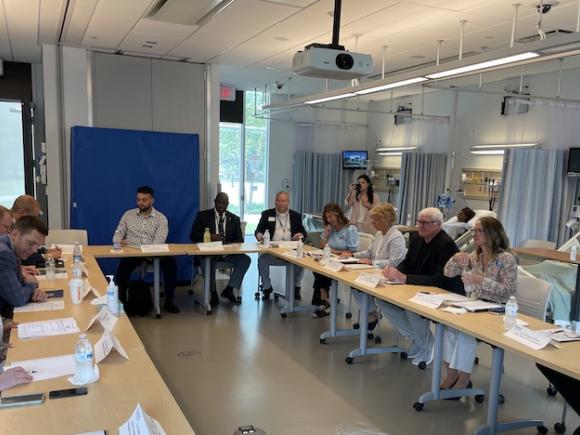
<point>387,249</point>
<point>361,199</point>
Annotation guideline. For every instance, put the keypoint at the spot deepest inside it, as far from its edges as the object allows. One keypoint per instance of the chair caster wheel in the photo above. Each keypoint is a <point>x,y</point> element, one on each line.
<point>560,427</point>
<point>355,325</point>
<point>323,341</point>
<point>418,406</point>
<point>476,360</point>
<point>370,336</point>
<point>348,315</point>
<point>422,365</point>
<point>158,316</point>
<point>349,360</point>
<point>276,298</point>
<point>283,315</point>
<point>403,356</point>
<point>542,429</point>
<point>479,398</point>
<point>189,292</point>
<point>501,399</point>
<point>378,339</point>
<point>551,391</point>
<point>208,313</point>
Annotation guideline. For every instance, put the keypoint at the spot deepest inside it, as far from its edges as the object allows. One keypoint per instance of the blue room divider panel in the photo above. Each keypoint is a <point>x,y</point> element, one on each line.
<point>107,166</point>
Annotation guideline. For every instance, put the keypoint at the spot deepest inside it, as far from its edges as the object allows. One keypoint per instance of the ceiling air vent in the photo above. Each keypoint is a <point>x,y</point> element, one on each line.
<point>186,12</point>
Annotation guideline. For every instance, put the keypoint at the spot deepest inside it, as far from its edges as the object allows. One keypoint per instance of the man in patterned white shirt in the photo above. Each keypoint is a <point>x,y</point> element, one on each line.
<point>145,225</point>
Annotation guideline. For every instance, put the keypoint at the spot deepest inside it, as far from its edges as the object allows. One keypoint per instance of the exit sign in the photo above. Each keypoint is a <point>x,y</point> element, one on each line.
<point>227,93</point>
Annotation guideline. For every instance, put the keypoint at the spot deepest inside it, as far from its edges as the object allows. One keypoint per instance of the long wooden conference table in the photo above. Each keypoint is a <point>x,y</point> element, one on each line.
<point>112,399</point>
<point>483,326</point>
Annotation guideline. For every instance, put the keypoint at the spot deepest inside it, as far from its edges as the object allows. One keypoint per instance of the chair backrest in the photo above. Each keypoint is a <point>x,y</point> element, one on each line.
<point>532,243</point>
<point>364,241</point>
<point>533,295</point>
<point>67,237</point>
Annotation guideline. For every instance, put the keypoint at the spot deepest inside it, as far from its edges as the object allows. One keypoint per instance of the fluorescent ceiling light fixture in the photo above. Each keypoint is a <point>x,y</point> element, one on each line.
<point>489,152</point>
<point>391,85</point>
<point>395,149</point>
<point>392,153</point>
<point>484,65</point>
<point>503,146</point>
<point>335,97</point>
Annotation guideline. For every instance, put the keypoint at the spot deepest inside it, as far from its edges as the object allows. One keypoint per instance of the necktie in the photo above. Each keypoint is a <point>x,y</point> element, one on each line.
<point>221,226</point>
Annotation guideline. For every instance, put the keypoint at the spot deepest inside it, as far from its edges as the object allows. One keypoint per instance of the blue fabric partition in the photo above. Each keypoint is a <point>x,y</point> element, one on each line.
<point>109,164</point>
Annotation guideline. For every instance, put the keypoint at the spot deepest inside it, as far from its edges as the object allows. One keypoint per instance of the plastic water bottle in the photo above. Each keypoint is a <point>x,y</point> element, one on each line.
<point>326,253</point>
<point>50,272</point>
<point>266,239</point>
<point>573,253</point>
<point>84,360</point>
<point>77,252</point>
<point>511,313</point>
<point>206,236</point>
<point>77,270</point>
<point>469,287</point>
<point>112,296</point>
<point>300,248</point>
<point>117,240</point>
<point>409,220</point>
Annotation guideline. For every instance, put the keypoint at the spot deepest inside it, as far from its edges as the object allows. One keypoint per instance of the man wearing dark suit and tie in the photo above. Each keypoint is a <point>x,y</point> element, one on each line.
<point>223,227</point>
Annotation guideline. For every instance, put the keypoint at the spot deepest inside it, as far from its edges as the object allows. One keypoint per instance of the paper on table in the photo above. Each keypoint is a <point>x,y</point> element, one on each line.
<point>99,301</point>
<point>88,288</point>
<point>454,310</point>
<point>40,306</point>
<point>534,339</point>
<point>476,305</point>
<point>565,336</point>
<point>155,248</point>
<point>141,424</point>
<point>386,281</point>
<point>59,275</point>
<point>333,265</point>
<point>46,328</point>
<point>211,246</point>
<point>349,260</point>
<point>47,368</point>
<point>288,245</point>
<point>105,344</point>
<point>428,299</point>
<point>368,279</point>
<point>358,266</point>
<point>105,318</point>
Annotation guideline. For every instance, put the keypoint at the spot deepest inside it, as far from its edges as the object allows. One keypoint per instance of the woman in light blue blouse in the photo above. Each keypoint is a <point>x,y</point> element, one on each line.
<point>341,237</point>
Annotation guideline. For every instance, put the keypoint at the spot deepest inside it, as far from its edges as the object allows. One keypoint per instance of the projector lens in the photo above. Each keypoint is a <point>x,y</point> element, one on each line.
<point>344,61</point>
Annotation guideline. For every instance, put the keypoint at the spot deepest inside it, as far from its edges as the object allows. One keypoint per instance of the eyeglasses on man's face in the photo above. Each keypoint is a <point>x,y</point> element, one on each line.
<point>425,222</point>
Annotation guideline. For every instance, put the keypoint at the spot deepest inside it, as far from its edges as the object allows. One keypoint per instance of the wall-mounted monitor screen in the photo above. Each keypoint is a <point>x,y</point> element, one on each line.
<point>354,159</point>
<point>514,105</point>
<point>574,162</point>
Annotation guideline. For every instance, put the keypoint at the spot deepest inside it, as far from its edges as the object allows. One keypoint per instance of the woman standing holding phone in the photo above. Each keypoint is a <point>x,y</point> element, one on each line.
<point>361,199</point>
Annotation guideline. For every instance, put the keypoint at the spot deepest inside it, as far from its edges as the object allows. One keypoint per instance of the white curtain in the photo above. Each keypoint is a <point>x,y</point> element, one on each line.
<point>422,180</point>
<point>531,202</point>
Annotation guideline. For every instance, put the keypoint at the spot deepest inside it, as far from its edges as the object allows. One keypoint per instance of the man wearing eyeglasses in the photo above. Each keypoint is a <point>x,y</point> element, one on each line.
<point>429,250</point>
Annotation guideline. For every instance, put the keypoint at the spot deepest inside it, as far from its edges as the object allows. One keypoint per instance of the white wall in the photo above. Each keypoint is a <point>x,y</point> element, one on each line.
<point>288,134</point>
<point>120,92</point>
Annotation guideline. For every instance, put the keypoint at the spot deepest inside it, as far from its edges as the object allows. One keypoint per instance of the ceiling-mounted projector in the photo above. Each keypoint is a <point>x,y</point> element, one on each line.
<point>328,62</point>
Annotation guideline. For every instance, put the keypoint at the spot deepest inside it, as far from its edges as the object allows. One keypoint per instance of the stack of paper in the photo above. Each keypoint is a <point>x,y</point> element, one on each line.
<point>47,328</point>
<point>47,368</point>
<point>40,306</point>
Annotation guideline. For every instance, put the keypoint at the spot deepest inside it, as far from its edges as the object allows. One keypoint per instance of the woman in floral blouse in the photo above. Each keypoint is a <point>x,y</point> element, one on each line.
<point>491,272</point>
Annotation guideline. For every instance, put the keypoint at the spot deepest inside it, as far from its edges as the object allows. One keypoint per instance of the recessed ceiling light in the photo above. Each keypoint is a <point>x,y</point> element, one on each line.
<point>151,42</point>
<point>146,46</point>
<point>417,56</point>
<point>93,37</point>
<point>270,68</point>
<point>280,38</point>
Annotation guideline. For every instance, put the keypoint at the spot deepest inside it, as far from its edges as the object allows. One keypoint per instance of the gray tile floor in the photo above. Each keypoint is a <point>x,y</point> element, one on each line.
<point>256,368</point>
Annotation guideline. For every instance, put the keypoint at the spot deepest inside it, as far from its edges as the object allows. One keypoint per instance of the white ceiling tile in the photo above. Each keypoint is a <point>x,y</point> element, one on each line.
<point>155,37</point>
<point>51,15</point>
<point>248,18</point>
<point>5,48</point>
<point>22,18</point>
<point>294,3</point>
<point>112,20</point>
<point>26,50</point>
<point>78,17</point>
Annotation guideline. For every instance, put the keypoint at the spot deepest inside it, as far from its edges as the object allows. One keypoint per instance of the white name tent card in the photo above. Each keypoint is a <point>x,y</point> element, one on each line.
<point>40,306</point>
<point>99,301</point>
<point>534,339</point>
<point>42,369</point>
<point>288,245</point>
<point>429,300</point>
<point>359,267</point>
<point>105,344</point>
<point>47,328</point>
<point>141,424</point>
<point>105,318</point>
<point>333,265</point>
<point>57,275</point>
<point>155,248</point>
<point>211,246</point>
<point>368,279</point>
<point>88,288</point>
<point>66,249</point>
